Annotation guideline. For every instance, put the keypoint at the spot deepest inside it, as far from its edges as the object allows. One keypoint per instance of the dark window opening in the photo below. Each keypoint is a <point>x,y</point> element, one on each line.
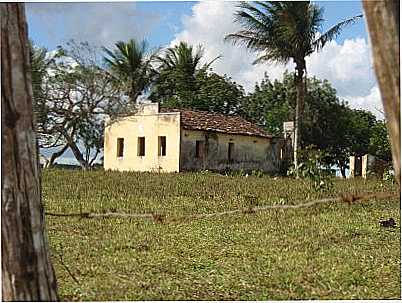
<point>358,166</point>
<point>199,149</point>
<point>141,146</point>
<point>161,146</point>
<point>120,147</point>
<point>230,151</point>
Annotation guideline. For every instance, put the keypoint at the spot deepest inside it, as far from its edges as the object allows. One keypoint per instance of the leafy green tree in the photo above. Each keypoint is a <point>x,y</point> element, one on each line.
<point>326,123</point>
<point>174,88</point>
<point>379,144</point>
<point>329,123</point>
<point>216,93</point>
<point>282,31</point>
<point>184,82</point>
<point>360,124</point>
<point>209,92</point>
<point>39,65</point>
<point>270,104</point>
<point>130,63</point>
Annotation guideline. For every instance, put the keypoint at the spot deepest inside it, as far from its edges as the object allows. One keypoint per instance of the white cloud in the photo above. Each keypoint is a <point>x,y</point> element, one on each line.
<point>208,25</point>
<point>347,66</point>
<point>371,102</point>
<point>97,23</point>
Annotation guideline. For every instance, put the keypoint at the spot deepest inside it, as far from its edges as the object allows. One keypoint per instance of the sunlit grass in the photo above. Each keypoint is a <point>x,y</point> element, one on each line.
<point>324,252</point>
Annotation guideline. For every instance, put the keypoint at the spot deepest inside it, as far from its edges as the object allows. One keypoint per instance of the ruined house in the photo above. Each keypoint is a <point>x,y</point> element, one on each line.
<point>182,140</point>
<point>367,165</point>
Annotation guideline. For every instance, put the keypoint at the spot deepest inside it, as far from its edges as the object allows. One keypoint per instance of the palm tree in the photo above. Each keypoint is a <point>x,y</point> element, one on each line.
<point>184,57</point>
<point>178,69</point>
<point>131,65</point>
<point>284,31</point>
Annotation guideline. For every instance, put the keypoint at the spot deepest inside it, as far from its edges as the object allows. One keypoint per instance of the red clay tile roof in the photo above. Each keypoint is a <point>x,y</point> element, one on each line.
<point>229,124</point>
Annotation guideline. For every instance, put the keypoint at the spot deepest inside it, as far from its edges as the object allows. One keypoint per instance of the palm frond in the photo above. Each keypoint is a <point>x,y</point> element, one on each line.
<point>131,64</point>
<point>276,28</point>
<point>252,18</point>
<point>207,65</point>
<point>249,39</point>
<point>182,56</point>
<point>333,32</point>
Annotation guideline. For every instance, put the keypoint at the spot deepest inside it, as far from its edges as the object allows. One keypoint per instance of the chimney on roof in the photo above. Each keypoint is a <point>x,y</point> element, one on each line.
<point>150,108</point>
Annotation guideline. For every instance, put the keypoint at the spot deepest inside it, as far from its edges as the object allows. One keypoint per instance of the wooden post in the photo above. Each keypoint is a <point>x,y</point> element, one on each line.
<point>383,23</point>
<point>27,273</point>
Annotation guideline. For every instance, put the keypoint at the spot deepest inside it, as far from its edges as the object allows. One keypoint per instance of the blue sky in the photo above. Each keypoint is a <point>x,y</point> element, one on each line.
<point>335,11</point>
<point>346,62</point>
<point>165,20</point>
<point>168,17</point>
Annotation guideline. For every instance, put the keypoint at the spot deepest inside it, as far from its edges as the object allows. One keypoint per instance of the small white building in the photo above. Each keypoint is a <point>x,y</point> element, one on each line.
<point>180,140</point>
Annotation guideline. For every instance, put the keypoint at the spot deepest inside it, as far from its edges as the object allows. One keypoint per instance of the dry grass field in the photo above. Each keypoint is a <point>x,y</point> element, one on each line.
<point>334,251</point>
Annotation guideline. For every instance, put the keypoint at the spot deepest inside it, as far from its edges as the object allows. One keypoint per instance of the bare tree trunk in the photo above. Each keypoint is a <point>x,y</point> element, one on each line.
<point>27,273</point>
<point>76,151</point>
<point>57,154</point>
<point>299,106</point>
<point>46,160</point>
<point>383,23</point>
<point>78,155</point>
<point>296,139</point>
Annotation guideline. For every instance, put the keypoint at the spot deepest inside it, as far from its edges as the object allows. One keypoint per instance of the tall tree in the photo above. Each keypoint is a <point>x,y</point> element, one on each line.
<point>217,94</point>
<point>284,31</point>
<point>379,142</point>
<point>360,126</point>
<point>270,104</point>
<point>41,63</point>
<point>384,25</point>
<point>178,69</point>
<point>78,96</point>
<point>329,123</point>
<point>131,64</point>
<point>206,90</point>
<point>183,56</point>
<point>27,272</point>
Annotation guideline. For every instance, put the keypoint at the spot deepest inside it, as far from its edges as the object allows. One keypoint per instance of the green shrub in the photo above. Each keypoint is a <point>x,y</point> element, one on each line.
<point>313,167</point>
<point>389,175</point>
<point>257,173</point>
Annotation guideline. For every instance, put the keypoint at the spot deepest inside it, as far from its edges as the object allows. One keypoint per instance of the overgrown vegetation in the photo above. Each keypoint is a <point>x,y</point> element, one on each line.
<point>314,168</point>
<point>281,40</point>
<point>328,122</point>
<point>334,251</point>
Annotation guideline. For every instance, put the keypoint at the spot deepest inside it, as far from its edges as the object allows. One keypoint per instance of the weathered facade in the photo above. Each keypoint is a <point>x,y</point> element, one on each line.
<point>367,165</point>
<point>180,140</point>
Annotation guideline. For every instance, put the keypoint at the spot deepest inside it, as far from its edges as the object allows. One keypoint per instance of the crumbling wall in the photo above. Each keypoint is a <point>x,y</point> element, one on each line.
<point>373,166</point>
<point>366,166</point>
<point>249,152</point>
